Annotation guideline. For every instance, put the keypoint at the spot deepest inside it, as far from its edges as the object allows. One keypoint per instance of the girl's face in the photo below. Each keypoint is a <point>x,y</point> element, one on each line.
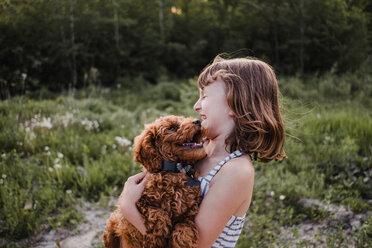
<point>213,109</point>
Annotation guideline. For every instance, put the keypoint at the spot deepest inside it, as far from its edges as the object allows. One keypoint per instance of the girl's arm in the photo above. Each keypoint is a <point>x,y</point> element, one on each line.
<point>132,191</point>
<point>229,190</point>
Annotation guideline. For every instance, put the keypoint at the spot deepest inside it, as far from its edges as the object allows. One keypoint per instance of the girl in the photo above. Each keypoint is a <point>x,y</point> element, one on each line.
<point>239,107</point>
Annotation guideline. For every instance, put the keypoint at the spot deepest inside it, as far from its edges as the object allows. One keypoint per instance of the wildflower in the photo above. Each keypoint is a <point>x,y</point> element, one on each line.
<point>46,122</point>
<point>57,166</point>
<point>113,146</point>
<point>35,122</point>
<point>3,155</point>
<point>272,193</point>
<point>85,123</point>
<point>48,153</point>
<point>90,125</point>
<point>60,155</point>
<point>69,191</point>
<point>122,141</point>
<point>95,124</point>
<point>65,119</point>
<point>3,176</point>
<point>282,197</point>
<point>46,148</point>
<point>28,205</point>
<point>50,169</point>
<point>56,160</point>
<point>365,180</point>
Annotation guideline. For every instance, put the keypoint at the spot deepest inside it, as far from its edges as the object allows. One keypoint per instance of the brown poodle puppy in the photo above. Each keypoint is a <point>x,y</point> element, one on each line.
<point>167,149</point>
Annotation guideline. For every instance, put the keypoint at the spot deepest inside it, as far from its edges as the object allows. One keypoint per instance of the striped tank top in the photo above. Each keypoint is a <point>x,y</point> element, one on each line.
<point>234,226</point>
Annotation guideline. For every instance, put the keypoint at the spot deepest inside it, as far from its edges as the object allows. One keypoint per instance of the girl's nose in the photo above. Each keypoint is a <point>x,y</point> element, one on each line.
<point>197,106</point>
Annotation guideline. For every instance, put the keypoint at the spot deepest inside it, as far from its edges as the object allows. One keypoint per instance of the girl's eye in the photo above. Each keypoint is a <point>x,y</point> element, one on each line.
<point>172,128</point>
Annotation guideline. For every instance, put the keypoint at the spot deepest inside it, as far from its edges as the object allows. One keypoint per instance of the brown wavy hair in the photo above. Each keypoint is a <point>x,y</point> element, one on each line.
<point>252,94</point>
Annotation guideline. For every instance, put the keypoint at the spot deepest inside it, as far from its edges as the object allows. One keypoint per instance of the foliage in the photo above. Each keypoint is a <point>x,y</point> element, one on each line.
<point>64,44</point>
<point>58,150</point>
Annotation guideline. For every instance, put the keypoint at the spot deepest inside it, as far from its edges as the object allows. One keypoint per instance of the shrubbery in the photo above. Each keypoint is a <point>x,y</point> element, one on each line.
<point>56,151</point>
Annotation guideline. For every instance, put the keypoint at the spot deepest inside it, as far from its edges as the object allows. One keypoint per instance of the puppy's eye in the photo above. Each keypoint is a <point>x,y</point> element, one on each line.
<point>172,128</point>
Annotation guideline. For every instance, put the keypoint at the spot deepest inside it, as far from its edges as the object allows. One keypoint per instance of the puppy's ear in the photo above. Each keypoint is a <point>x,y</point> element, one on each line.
<point>145,151</point>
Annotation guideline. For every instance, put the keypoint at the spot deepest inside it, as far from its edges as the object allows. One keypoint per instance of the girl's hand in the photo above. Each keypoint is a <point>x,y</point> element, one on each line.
<point>132,191</point>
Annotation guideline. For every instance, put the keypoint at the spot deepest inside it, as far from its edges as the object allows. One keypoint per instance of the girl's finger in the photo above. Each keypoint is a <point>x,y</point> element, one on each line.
<point>144,179</point>
<point>137,178</point>
<point>141,177</point>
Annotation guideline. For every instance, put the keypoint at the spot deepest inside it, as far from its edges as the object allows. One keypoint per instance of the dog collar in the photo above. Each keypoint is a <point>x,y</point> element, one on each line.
<point>178,167</point>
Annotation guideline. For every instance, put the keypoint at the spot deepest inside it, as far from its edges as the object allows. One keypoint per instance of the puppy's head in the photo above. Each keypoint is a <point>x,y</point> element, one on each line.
<point>170,138</point>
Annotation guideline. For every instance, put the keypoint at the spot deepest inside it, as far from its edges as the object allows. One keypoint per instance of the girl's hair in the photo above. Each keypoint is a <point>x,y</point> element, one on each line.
<point>252,94</point>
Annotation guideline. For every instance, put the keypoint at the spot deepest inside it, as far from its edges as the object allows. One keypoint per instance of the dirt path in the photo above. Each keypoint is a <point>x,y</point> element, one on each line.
<point>88,234</point>
<point>313,233</point>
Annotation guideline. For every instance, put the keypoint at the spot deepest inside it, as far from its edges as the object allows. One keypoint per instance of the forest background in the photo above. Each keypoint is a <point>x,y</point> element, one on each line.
<point>80,78</point>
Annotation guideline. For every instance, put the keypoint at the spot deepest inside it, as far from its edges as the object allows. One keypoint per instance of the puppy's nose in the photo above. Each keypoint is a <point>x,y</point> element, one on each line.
<point>197,122</point>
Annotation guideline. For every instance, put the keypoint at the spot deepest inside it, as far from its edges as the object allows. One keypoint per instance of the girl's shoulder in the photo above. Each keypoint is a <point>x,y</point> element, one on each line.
<point>240,165</point>
<point>234,182</point>
<point>239,169</point>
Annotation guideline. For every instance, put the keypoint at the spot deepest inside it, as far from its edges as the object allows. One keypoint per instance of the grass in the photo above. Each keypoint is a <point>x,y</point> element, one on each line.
<point>57,150</point>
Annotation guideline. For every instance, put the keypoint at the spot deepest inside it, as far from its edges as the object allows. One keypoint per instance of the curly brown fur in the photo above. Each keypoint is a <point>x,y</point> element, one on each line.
<point>168,206</point>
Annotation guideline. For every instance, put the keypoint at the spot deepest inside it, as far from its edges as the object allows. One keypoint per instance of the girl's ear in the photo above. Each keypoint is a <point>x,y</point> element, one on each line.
<point>145,151</point>
<point>231,113</point>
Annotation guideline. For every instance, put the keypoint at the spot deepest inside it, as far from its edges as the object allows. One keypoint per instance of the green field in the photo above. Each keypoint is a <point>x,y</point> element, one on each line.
<point>60,149</point>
